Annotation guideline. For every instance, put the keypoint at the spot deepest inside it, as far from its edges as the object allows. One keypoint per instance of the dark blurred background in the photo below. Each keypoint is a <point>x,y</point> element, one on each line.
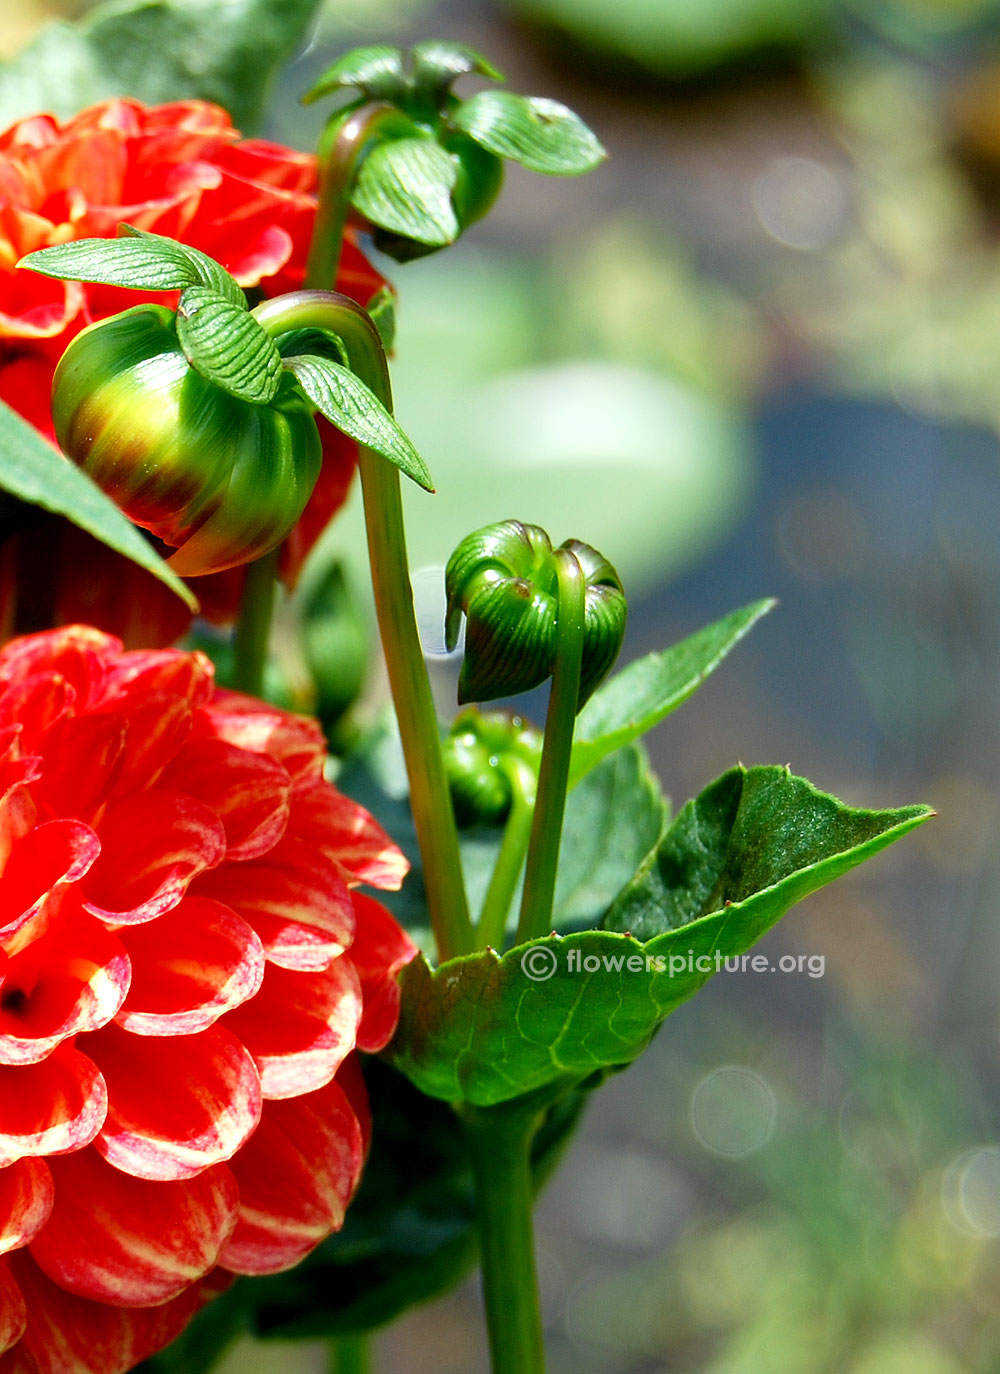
<point>756,353</point>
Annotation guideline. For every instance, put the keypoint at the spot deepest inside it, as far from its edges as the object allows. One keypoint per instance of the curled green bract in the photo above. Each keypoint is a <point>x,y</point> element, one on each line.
<point>504,579</point>
<point>221,479</point>
<point>488,756</point>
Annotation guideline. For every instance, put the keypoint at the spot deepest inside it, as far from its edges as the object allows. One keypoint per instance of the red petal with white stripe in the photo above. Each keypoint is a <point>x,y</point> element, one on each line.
<point>44,860</point>
<point>300,1026</point>
<point>296,901</point>
<point>152,845</point>
<point>189,966</point>
<point>381,948</point>
<point>50,1108</point>
<point>248,792</point>
<point>295,741</point>
<point>130,1242</point>
<point>13,1314</point>
<point>176,1104</point>
<point>25,1202</point>
<point>296,1177</point>
<point>346,833</point>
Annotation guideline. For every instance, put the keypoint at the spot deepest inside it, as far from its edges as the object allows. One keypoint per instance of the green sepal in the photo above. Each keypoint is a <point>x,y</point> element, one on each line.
<point>136,261</point>
<point>376,70</point>
<point>405,186</point>
<point>343,398</point>
<point>224,342</point>
<point>542,135</point>
<point>437,63</point>
<point>642,694</point>
<point>382,309</point>
<point>504,579</point>
<point>485,1029</point>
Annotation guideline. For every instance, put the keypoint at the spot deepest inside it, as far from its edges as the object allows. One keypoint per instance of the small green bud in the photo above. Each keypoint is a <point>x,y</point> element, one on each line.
<point>486,755</point>
<point>505,579</point>
<point>220,478</point>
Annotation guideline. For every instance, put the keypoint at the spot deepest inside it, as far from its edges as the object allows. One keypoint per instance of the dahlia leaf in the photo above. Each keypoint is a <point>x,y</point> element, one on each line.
<point>542,135</point>
<point>405,186</point>
<point>225,343</point>
<point>648,689</point>
<point>485,1029</point>
<point>231,63</point>
<point>36,473</point>
<point>346,402</point>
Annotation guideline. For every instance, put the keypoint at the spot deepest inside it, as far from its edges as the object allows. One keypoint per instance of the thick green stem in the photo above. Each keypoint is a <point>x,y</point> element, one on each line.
<point>430,798</point>
<point>351,1355</point>
<point>546,831</point>
<point>342,148</point>
<point>500,1139</point>
<point>500,893</point>
<point>253,626</point>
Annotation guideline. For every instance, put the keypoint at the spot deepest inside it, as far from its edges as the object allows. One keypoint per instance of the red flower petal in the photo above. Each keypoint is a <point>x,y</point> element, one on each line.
<point>300,1026</point>
<point>128,1241</point>
<point>294,741</point>
<point>249,792</point>
<point>294,899</point>
<point>13,1314</point>
<point>44,861</point>
<point>343,830</point>
<point>176,1104</point>
<point>70,1335</point>
<point>189,966</point>
<point>72,978</point>
<point>152,845</point>
<point>380,949</point>
<point>50,1108</point>
<point>296,1177</point>
<point>25,1202</point>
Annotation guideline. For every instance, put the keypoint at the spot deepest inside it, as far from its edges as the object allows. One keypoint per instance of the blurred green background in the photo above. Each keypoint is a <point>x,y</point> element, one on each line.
<point>756,353</point>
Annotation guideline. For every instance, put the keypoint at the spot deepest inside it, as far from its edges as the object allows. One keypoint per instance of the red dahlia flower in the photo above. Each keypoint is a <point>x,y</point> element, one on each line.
<point>185,969</point>
<point>181,170</point>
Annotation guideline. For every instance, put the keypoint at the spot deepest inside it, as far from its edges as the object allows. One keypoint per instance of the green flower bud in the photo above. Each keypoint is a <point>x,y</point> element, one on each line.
<point>505,579</point>
<point>221,479</point>
<point>485,755</point>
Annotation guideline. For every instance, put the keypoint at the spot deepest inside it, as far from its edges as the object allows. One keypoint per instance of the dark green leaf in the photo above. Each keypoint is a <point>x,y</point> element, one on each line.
<point>34,471</point>
<point>485,1029</point>
<point>138,261</point>
<point>405,186</point>
<point>755,843</point>
<point>347,403</point>
<point>376,70</point>
<point>159,50</point>
<point>641,695</point>
<point>437,64</point>
<point>225,343</point>
<point>540,134</point>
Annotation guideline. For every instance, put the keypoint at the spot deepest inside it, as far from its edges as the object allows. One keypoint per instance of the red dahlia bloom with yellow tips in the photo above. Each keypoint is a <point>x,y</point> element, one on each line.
<point>181,170</point>
<point>186,967</point>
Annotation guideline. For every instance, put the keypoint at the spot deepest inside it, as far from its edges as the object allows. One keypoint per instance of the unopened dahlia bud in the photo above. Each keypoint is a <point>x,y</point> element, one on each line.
<point>221,479</point>
<point>486,753</point>
<point>505,579</point>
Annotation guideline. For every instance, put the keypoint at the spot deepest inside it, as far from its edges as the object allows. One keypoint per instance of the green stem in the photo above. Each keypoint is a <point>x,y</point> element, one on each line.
<point>500,1139</point>
<point>546,830</point>
<point>342,147</point>
<point>351,1355</point>
<point>492,925</point>
<point>253,626</point>
<point>430,799</point>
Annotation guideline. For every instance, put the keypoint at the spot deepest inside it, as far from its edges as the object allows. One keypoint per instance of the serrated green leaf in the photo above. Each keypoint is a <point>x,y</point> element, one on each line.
<point>405,186</point>
<point>136,260</point>
<point>437,64</point>
<point>484,1029</point>
<point>542,135</point>
<point>36,473</point>
<point>645,692</point>
<point>377,70</point>
<point>226,345</point>
<point>198,55</point>
<point>347,403</point>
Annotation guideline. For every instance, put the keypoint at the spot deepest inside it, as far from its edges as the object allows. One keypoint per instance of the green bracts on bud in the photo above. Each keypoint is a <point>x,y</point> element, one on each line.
<point>504,578</point>
<point>221,479</point>
<point>488,754</point>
